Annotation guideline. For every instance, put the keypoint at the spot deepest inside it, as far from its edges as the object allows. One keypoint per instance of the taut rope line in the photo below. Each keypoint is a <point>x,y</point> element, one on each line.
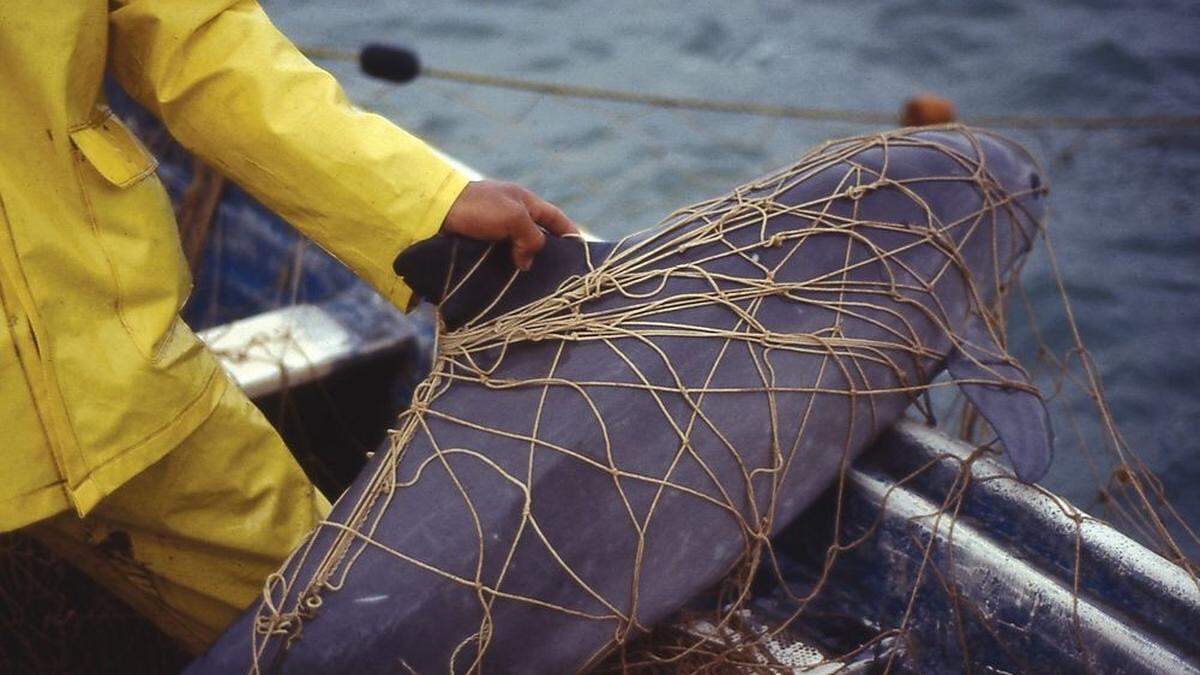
<point>864,117</point>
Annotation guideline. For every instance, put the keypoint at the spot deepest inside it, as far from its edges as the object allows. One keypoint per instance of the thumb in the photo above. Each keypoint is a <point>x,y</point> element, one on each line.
<point>527,240</point>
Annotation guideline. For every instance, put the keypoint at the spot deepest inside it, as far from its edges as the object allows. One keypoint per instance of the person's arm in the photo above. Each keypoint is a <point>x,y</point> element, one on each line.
<point>236,92</point>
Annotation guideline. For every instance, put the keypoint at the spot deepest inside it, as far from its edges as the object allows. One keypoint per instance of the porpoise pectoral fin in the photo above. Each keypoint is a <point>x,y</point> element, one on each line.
<point>1018,416</point>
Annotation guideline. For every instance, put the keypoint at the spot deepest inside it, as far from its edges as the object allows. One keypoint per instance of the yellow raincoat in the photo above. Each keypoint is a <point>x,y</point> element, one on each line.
<point>99,378</point>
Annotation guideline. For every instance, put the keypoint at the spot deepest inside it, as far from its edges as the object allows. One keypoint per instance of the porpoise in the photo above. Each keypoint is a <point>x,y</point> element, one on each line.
<point>602,438</point>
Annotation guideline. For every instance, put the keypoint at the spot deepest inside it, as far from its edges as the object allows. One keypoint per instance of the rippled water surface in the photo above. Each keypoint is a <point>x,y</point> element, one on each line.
<point>1125,204</point>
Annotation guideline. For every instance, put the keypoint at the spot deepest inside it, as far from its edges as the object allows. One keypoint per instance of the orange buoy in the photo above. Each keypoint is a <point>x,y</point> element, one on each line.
<point>926,109</point>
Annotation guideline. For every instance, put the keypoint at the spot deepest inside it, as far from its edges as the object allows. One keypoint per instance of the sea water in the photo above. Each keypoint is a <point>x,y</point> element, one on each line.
<point>1125,205</point>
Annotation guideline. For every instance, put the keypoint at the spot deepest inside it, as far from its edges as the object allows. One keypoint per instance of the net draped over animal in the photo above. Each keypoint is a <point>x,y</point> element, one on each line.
<point>603,438</point>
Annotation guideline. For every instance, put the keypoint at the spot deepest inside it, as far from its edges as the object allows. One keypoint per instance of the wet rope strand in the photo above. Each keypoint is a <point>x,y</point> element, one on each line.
<point>865,117</point>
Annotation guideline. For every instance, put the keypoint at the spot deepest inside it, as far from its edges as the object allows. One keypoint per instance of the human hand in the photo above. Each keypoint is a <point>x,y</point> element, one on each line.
<point>495,211</point>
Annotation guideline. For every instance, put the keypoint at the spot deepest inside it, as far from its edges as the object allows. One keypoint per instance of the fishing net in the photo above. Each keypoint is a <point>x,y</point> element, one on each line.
<point>54,620</point>
<point>698,316</point>
<point>730,627</point>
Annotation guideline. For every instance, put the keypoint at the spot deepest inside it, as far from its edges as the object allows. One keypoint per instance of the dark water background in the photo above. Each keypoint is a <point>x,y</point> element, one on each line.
<point>1125,204</point>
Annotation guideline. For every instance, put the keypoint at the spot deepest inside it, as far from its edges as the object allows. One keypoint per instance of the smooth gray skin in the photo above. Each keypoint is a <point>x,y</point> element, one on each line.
<point>390,614</point>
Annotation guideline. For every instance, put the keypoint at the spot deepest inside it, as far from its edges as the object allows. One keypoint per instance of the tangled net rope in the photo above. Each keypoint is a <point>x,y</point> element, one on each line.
<point>720,634</point>
<point>714,308</point>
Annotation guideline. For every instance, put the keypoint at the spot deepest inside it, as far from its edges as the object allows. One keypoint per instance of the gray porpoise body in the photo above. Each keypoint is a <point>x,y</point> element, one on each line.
<point>388,613</point>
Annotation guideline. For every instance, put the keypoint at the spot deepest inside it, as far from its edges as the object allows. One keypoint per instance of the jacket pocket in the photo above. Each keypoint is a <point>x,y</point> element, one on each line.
<point>135,226</point>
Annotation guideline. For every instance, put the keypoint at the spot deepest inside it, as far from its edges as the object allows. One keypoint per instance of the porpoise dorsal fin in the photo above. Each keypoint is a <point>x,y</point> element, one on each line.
<point>1018,416</point>
<point>472,274</point>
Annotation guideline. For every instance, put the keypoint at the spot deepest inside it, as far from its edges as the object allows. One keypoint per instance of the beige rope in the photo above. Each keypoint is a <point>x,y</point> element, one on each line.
<point>849,116</point>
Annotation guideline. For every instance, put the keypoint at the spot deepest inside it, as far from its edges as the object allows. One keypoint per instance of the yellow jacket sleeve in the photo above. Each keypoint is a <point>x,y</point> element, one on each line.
<point>237,93</point>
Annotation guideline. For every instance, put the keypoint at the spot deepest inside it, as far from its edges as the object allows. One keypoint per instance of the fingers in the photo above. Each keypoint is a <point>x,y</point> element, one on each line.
<point>527,239</point>
<point>548,215</point>
<point>494,211</point>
